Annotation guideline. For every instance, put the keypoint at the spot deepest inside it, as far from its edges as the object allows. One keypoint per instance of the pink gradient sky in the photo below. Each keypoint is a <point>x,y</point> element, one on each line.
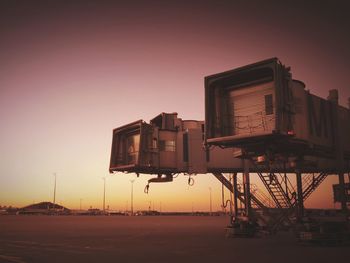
<point>71,72</point>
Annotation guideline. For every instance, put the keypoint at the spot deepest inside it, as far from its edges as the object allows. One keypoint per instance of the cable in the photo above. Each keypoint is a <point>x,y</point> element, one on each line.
<point>224,204</point>
<point>146,189</point>
<point>223,195</point>
<point>190,181</point>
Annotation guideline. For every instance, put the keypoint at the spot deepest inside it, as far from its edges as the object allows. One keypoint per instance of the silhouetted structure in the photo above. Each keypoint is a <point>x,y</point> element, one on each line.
<point>258,119</point>
<point>44,208</point>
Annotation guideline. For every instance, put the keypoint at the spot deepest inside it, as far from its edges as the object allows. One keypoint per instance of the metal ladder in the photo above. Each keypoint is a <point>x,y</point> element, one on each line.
<point>311,183</point>
<point>280,197</point>
<point>274,187</point>
<point>259,202</point>
<point>310,186</point>
<point>259,198</point>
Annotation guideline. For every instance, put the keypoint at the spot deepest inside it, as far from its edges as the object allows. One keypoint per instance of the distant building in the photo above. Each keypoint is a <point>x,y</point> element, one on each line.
<point>44,208</point>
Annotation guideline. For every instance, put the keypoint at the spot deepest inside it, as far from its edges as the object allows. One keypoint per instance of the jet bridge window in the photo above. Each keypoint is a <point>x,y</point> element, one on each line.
<point>167,146</point>
<point>268,104</point>
<point>185,147</point>
<point>132,148</point>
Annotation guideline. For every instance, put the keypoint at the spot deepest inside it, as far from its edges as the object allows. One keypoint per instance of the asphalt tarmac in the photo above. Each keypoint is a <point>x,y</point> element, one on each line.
<point>147,239</point>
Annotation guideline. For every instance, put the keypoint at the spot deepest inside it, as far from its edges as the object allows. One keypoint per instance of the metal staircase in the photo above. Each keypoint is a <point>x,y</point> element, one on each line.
<point>274,187</point>
<point>281,191</point>
<point>259,199</point>
<point>311,182</point>
<point>284,194</point>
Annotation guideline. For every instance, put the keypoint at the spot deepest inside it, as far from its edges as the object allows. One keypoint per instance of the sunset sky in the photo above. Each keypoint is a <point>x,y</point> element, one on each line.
<point>71,71</point>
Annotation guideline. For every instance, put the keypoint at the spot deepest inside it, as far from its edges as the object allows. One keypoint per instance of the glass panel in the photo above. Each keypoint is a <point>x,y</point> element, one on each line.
<point>170,146</point>
<point>167,146</point>
<point>132,148</point>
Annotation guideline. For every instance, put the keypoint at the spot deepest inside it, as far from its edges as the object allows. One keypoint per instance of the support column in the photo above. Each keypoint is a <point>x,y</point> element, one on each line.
<point>333,98</point>
<point>300,199</point>
<point>235,195</point>
<point>344,207</point>
<point>246,183</point>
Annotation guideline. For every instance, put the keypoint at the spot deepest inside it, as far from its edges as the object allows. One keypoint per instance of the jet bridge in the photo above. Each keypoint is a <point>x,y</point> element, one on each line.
<point>258,121</point>
<point>272,119</point>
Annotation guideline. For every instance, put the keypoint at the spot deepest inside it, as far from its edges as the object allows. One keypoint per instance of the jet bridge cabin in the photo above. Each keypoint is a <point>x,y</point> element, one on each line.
<point>167,145</point>
<point>259,106</point>
<point>241,104</point>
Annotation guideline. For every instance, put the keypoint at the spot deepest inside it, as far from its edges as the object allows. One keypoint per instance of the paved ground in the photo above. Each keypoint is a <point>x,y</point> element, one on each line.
<point>146,239</point>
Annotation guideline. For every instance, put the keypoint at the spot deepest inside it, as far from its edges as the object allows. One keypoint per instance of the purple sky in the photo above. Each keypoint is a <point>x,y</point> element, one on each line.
<point>71,72</point>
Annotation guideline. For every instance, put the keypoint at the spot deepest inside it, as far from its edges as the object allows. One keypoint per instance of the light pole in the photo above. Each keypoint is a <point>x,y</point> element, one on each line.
<point>132,197</point>
<point>210,200</point>
<point>104,193</point>
<point>54,192</point>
